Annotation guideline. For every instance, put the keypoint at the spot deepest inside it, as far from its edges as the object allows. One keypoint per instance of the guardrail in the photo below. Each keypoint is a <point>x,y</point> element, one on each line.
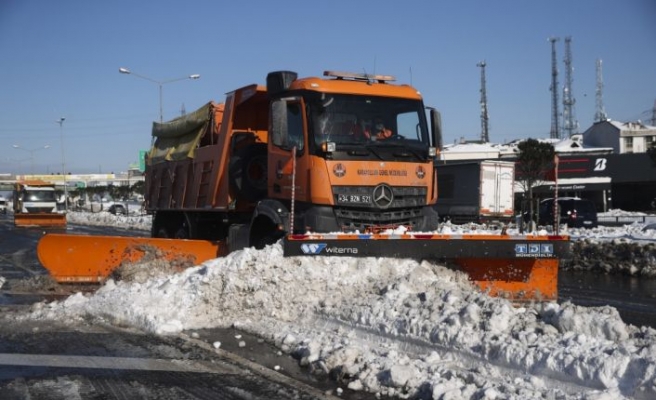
<point>618,220</point>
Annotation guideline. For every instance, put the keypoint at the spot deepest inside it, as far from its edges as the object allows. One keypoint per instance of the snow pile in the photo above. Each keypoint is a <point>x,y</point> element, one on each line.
<point>616,256</point>
<point>104,218</point>
<point>391,327</point>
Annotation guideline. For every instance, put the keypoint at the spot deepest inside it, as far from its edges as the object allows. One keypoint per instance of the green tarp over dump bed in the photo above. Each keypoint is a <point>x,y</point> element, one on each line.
<point>177,139</point>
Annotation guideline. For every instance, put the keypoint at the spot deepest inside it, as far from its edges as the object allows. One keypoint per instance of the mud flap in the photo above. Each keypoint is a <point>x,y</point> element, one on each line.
<point>521,268</point>
<point>78,258</point>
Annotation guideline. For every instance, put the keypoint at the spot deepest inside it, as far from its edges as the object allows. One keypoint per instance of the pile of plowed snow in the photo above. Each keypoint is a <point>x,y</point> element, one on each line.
<point>389,326</point>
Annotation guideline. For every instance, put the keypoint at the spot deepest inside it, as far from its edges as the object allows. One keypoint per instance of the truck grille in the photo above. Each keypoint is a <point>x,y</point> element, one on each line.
<point>360,207</point>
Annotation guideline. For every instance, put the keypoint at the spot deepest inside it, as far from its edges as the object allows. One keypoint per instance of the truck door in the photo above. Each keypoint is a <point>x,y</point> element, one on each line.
<point>288,136</point>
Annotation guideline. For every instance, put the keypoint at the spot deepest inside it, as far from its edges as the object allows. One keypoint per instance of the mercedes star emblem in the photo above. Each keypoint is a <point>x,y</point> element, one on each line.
<point>383,196</point>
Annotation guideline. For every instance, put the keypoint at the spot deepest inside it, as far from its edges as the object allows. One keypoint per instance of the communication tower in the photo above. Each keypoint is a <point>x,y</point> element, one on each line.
<point>485,136</point>
<point>554,134</point>
<point>600,114</point>
<point>570,125</point>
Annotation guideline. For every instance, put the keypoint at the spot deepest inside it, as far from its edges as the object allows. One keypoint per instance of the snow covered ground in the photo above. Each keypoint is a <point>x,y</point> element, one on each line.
<point>391,327</point>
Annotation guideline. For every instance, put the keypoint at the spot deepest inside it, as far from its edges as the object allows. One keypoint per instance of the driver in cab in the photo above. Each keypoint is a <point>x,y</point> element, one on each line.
<point>380,132</point>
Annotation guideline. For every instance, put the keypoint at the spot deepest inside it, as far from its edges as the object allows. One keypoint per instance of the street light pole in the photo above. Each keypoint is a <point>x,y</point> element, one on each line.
<point>159,84</point>
<point>31,151</point>
<point>60,121</point>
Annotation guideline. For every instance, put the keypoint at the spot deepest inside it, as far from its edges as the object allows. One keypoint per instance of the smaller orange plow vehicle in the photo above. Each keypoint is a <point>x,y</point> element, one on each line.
<point>35,204</point>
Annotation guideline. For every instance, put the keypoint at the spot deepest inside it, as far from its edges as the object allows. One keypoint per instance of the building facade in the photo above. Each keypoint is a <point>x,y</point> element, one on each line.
<point>622,137</point>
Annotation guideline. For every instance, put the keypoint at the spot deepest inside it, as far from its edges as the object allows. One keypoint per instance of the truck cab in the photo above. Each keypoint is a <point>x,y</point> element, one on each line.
<point>363,152</point>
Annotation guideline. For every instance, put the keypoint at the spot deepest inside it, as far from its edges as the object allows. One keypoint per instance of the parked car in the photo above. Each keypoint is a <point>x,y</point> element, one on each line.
<point>574,212</point>
<point>3,205</point>
<point>117,209</point>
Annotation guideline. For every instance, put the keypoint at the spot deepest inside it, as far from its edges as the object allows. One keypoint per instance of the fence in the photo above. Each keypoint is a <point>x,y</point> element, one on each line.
<point>618,220</point>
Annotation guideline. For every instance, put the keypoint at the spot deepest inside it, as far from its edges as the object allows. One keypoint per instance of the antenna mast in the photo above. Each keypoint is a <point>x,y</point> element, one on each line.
<point>600,114</point>
<point>570,125</point>
<point>554,134</point>
<point>485,136</point>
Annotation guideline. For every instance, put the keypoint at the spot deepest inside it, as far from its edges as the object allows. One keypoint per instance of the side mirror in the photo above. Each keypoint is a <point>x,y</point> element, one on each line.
<point>436,128</point>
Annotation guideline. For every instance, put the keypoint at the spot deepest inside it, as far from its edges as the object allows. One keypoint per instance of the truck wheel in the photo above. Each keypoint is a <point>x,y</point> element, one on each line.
<point>248,172</point>
<point>262,241</point>
<point>158,229</point>
<point>160,233</point>
<point>238,237</point>
<point>183,231</point>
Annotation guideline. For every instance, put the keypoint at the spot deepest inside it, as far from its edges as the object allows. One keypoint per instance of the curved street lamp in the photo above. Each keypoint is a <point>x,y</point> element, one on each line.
<point>159,84</point>
<point>31,151</point>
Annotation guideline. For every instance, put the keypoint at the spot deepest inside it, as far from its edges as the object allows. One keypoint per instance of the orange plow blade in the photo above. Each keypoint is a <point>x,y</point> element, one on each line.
<point>515,279</point>
<point>77,258</point>
<point>52,220</point>
<point>520,268</point>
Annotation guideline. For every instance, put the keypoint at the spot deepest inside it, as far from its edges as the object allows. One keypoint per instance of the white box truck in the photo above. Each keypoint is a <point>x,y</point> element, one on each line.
<point>476,191</point>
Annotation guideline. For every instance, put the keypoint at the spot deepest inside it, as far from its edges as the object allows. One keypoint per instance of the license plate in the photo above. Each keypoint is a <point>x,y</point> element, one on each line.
<point>354,199</point>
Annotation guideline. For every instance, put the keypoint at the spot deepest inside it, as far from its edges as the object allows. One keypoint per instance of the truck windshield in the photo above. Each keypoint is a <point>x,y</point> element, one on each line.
<point>39,195</point>
<point>351,119</point>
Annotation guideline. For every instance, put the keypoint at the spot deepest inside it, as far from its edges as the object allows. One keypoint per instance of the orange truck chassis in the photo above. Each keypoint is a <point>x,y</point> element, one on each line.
<point>340,153</point>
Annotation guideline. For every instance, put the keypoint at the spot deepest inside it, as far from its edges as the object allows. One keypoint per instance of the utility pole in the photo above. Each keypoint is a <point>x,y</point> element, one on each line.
<point>485,135</point>
<point>600,113</point>
<point>554,134</point>
<point>570,125</point>
<point>60,121</point>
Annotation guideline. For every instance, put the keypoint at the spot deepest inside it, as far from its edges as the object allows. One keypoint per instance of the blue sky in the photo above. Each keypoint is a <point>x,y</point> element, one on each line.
<point>61,59</point>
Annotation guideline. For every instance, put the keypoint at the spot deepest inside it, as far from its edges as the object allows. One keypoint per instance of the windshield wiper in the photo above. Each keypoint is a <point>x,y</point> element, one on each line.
<point>371,148</point>
<point>407,150</point>
<point>359,152</point>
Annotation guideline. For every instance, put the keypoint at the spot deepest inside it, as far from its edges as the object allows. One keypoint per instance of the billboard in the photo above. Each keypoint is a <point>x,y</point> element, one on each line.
<point>142,160</point>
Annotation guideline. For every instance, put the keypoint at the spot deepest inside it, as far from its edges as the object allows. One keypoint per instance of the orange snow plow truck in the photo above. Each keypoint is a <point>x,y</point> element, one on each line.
<point>336,166</point>
<point>35,204</point>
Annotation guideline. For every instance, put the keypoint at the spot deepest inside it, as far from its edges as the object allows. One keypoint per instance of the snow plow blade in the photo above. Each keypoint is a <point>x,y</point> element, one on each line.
<point>91,259</point>
<point>50,220</point>
<point>520,268</point>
